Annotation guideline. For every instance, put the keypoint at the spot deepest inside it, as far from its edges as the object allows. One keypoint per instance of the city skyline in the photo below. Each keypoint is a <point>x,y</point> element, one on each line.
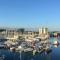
<point>30,13</point>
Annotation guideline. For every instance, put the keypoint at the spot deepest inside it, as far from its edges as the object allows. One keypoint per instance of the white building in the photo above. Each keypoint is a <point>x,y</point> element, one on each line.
<point>43,31</point>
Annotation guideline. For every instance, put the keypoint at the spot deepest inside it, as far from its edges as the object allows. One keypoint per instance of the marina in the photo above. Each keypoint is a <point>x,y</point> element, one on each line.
<point>27,46</point>
<point>29,55</point>
<point>29,30</point>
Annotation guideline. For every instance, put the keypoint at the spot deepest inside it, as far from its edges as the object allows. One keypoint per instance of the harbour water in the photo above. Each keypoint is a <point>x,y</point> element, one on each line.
<point>54,55</point>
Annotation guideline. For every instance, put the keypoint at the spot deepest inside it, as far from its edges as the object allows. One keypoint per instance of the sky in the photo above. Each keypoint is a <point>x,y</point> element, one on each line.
<point>30,13</point>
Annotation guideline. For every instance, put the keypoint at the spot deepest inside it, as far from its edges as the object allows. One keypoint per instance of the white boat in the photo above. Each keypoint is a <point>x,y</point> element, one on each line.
<point>28,49</point>
<point>12,48</point>
<point>20,48</point>
<point>55,42</point>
